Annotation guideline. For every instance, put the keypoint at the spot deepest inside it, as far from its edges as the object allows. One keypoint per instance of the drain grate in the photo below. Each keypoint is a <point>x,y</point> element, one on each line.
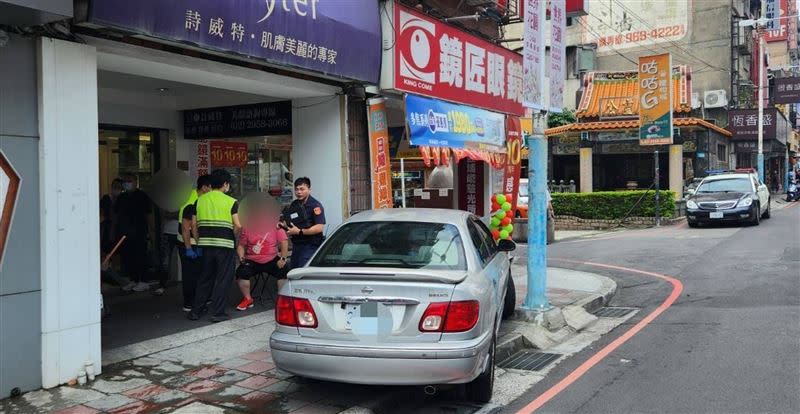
<point>529,360</point>
<point>613,312</point>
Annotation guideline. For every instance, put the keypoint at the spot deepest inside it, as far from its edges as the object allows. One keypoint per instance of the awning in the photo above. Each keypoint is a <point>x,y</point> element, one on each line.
<point>631,124</point>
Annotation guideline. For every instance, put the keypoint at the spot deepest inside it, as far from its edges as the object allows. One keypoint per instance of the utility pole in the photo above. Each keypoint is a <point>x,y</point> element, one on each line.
<point>761,76</point>
<point>658,189</point>
<point>536,298</point>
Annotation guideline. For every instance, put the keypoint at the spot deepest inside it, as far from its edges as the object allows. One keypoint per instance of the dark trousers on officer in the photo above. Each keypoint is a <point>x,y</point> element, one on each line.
<point>190,274</point>
<point>219,266</point>
<point>301,254</point>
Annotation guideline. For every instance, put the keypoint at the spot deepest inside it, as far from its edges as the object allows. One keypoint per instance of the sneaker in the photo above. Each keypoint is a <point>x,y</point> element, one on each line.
<point>193,316</point>
<point>129,287</point>
<point>187,308</point>
<point>141,287</point>
<point>159,291</point>
<point>220,318</point>
<point>245,304</point>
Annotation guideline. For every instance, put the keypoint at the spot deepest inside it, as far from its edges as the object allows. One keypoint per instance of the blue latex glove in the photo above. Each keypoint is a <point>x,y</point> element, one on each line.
<point>199,251</point>
<point>191,254</point>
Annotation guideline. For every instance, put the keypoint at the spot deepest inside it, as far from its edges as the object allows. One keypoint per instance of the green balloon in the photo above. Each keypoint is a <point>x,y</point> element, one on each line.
<point>501,199</point>
<point>506,206</point>
<point>500,215</point>
<point>495,222</point>
<point>503,234</point>
<point>509,228</point>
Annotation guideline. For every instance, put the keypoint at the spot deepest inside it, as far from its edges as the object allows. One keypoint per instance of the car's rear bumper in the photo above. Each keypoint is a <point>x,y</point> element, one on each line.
<point>731,215</point>
<point>445,364</point>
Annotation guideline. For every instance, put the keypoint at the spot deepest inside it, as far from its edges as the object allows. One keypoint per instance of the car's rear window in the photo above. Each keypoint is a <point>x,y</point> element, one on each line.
<point>738,185</point>
<point>410,245</point>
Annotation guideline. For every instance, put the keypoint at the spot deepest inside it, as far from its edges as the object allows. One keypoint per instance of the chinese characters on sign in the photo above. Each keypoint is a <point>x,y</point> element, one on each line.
<point>435,123</point>
<point>533,54</point>
<point>287,32</point>
<point>558,49</point>
<point>777,27</point>
<point>273,118</point>
<point>470,186</point>
<point>787,90</point>
<point>655,100</point>
<point>203,161</point>
<point>434,59</point>
<point>228,154</point>
<point>626,24</point>
<point>379,154</point>
<point>743,123</point>
<point>511,173</point>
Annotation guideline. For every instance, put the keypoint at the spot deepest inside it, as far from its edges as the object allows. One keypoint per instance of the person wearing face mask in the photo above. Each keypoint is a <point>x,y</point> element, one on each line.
<point>134,220</point>
<point>217,218</point>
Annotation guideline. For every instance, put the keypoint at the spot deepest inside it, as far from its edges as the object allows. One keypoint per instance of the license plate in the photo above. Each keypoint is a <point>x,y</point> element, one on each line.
<point>350,312</point>
<point>716,215</point>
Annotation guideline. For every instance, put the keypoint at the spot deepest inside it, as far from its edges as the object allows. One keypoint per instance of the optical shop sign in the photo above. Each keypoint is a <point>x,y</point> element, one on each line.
<point>436,123</point>
<point>334,37</point>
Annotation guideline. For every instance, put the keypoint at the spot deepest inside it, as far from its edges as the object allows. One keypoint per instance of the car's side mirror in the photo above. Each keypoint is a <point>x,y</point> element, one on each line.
<point>506,245</point>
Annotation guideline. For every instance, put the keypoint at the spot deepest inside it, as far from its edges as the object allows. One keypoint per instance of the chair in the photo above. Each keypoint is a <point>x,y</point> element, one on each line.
<point>262,279</point>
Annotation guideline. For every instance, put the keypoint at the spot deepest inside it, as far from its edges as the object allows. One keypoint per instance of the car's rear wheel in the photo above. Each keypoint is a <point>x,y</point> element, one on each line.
<point>510,300</point>
<point>768,213</point>
<point>756,220</point>
<point>480,389</point>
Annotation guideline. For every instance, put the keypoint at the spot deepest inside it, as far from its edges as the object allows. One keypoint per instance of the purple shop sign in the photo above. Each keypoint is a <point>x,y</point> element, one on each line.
<point>340,38</point>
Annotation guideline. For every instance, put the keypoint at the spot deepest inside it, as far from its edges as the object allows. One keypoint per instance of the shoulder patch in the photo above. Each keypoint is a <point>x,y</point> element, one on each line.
<point>317,210</point>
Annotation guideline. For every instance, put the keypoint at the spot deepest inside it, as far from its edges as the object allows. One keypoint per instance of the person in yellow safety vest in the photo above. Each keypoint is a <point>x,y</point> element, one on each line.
<point>187,242</point>
<point>218,223</point>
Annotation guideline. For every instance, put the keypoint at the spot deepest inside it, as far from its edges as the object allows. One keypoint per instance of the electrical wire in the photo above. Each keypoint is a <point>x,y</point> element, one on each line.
<point>318,103</point>
<point>586,26</point>
<point>391,23</point>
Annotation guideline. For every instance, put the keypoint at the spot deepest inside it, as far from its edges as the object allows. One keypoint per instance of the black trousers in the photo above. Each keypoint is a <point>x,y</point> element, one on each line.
<point>219,266</point>
<point>134,258</point>
<point>190,274</point>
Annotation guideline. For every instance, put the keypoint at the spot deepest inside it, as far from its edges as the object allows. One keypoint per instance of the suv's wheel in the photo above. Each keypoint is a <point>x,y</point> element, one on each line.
<point>480,389</point>
<point>767,214</point>
<point>510,299</point>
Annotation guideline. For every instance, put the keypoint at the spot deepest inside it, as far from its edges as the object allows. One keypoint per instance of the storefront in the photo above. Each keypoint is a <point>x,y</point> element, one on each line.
<point>602,152</point>
<point>449,95</point>
<point>124,102</point>
<point>743,123</point>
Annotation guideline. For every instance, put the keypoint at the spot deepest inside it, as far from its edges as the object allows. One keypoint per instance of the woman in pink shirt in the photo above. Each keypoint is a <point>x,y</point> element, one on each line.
<point>263,248</point>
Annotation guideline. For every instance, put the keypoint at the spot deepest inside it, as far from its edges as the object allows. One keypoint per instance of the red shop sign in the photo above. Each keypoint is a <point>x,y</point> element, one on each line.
<point>440,61</point>
<point>228,154</point>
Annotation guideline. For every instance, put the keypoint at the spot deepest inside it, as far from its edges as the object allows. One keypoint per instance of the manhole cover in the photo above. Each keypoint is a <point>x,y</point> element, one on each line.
<point>529,360</point>
<point>610,312</point>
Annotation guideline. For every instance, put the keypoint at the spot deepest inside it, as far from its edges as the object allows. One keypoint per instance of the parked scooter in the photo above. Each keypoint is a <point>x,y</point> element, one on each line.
<point>792,193</point>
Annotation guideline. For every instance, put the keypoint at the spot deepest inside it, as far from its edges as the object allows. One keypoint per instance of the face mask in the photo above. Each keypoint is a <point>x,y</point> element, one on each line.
<point>128,186</point>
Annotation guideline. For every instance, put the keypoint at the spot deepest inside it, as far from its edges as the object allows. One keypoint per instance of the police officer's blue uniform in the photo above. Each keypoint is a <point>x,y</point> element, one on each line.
<point>304,246</point>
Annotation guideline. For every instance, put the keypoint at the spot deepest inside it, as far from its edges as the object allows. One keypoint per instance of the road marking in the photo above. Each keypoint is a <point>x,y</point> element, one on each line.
<point>677,288</point>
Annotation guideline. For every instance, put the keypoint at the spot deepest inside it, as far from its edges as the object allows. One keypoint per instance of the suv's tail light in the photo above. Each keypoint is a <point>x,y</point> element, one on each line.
<point>458,316</point>
<point>296,312</point>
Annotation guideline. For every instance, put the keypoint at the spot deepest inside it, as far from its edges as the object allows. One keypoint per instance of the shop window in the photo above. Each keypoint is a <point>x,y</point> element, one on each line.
<point>722,153</point>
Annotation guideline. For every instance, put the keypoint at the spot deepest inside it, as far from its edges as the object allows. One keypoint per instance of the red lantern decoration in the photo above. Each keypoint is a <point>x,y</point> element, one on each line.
<point>494,198</point>
<point>495,206</point>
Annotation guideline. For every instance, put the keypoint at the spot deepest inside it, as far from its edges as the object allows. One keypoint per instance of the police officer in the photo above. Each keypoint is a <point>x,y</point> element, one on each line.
<point>217,225</point>
<point>187,242</point>
<point>306,222</point>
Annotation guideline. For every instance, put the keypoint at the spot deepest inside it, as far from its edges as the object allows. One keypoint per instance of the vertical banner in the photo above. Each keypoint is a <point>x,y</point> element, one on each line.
<point>202,161</point>
<point>511,173</point>
<point>379,154</point>
<point>470,186</point>
<point>655,100</point>
<point>558,51</point>
<point>533,54</point>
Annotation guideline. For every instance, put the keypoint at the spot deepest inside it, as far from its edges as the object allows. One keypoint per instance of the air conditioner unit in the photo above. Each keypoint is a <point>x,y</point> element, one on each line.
<point>715,99</point>
<point>695,100</point>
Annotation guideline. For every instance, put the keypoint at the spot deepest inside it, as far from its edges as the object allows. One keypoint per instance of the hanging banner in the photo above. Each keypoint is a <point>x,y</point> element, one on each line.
<point>435,59</point>
<point>435,123</point>
<point>777,11</point>
<point>226,154</point>
<point>511,173</point>
<point>336,38</point>
<point>558,53</point>
<point>470,186</point>
<point>787,90</point>
<point>202,160</point>
<point>379,154</point>
<point>533,54</point>
<point>655,100</point>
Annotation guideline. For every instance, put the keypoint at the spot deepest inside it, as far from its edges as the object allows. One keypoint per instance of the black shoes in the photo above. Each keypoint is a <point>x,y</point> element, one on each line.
<point>220,318</point>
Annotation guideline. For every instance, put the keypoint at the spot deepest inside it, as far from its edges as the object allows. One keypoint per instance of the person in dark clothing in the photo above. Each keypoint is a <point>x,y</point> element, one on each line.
<point>134,221</point>
<point>305,224</point>
<point>217,219</point>
<point>187,242</point>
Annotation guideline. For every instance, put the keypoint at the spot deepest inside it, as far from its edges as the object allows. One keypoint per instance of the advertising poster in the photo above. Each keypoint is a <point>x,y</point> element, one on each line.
<point>558,50</point>
<point>511,172</point>
<point>226,154</point>
<point>435,123</point>
<point>533,54</point>
<point>379,154</point>
<point>655,100</point>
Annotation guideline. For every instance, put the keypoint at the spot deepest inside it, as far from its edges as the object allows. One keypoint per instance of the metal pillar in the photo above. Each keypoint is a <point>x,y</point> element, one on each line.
<point>536,298</point>
<point>658,189</point>
<point>761,75</point>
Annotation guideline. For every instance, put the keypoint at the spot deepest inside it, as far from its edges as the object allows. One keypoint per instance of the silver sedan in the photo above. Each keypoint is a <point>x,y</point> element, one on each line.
<point>398,297</point>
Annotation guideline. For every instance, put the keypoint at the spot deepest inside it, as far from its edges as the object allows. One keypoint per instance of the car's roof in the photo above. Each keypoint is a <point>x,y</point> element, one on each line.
<point>422,215</point>
<point>727,176</point>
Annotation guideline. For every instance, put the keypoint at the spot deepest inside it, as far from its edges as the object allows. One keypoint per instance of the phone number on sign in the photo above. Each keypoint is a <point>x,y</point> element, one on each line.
<point>643,35</point>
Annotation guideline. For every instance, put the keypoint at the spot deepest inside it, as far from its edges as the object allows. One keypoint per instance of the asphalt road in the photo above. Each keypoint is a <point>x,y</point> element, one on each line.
<point>731,341</point>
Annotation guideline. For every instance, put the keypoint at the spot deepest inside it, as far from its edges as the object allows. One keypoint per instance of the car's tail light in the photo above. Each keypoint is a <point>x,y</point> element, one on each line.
<point>295,312</point>
<point>458,316</point>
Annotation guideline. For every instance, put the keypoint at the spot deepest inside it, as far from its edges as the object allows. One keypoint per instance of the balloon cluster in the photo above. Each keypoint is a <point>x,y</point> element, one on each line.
<point>502,215</point>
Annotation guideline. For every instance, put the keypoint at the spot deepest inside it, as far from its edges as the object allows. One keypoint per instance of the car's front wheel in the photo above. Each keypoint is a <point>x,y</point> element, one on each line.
<point>767,214</point>
<point>480,389</point>
<point>510,299</point>
<point>756,220</point>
